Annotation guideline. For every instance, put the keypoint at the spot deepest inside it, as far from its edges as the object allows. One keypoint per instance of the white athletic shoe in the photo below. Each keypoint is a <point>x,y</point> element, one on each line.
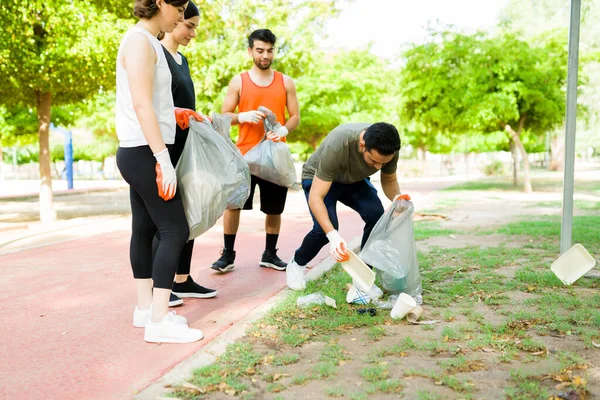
<point>294,275</point>
<point>142,317</point>
<point>171,330</point>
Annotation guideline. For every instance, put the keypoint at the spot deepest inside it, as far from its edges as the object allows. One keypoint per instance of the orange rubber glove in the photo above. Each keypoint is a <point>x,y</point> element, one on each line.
<point>402,196</point>
<point>182,117</point>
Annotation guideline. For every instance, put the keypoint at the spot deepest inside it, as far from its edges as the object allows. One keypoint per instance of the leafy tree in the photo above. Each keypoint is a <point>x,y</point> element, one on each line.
<point>478,85</point>
<point>219,50</point>
<point>348,87</point>
<point>536,19</point>
<point>54,52</point>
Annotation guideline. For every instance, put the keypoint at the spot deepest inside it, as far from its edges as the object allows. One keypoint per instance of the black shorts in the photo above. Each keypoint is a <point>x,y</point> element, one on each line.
<point>272,196</point>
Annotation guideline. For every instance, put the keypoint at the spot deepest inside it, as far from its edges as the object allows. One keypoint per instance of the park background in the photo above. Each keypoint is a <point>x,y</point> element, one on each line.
<point>474,87</point>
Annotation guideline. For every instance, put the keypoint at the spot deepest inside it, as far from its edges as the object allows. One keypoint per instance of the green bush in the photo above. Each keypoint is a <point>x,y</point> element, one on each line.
<point>494,168</point>
<point>96,151</point>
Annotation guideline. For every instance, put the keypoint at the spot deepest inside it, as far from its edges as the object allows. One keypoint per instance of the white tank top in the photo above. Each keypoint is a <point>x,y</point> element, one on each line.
<point>128,127</point>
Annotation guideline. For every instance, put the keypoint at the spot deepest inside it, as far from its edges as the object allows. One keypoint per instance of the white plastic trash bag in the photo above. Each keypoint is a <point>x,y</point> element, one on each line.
<point>207,174</point>
<point>202,200</point>
<point>273,162</point>
<point>392,252</point>
<point>238,188</point>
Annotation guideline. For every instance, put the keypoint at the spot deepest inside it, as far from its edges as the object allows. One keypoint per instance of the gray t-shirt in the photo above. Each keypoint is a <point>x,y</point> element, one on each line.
<point>338,158</point>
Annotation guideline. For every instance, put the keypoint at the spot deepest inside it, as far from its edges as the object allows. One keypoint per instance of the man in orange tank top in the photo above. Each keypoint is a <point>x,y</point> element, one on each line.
<point>261,86</point>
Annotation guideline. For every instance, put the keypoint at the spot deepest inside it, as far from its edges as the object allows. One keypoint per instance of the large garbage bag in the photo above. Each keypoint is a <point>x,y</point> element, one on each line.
<point>239,187</point>
<point>272,161</point>
<point>208,173</point>
<point>392,252</point>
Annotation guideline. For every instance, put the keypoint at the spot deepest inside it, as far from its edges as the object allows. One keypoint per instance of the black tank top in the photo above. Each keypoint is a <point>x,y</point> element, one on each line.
<point>184,96</point>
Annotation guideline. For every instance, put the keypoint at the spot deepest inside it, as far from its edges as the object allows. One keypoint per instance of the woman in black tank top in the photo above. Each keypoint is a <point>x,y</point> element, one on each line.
<point>184,96</point>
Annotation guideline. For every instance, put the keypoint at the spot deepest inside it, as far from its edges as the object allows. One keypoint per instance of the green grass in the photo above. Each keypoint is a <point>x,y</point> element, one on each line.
<point>461,364</point>
<point>425,395</point>
<point>300,380</point>
<point>397,350</point>
<point>335,392</point>
<point>275,387</point>
<point>527,387</point>
<point>334,354</point>
<point>417,372</point>
<point>539,185</point>
<point>286,359</point>
<point>586,230</point>
<point>377,332</point>
<point>386,386</point>
<point>428,229</point>
<point>375,373</point>
<point>359,396</point>
<point>324,370</point>
<point>578,205</point>
<point>456,384</point>
<point>237,363</point>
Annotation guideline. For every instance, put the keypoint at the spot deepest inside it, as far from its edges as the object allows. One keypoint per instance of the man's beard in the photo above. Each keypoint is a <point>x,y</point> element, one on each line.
<point>261,66</point>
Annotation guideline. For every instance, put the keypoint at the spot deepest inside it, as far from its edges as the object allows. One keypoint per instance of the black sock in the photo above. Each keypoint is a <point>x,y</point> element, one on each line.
<point>271,242</point>
<point>229,241</point>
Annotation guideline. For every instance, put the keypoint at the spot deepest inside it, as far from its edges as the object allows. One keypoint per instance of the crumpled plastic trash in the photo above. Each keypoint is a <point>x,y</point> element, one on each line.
<point>386,303</point>
<point>315,299</point>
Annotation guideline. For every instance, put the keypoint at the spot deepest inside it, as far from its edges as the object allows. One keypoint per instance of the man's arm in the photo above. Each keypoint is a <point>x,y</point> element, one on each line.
<point>390,185</point>
<point>293,111</point>
<point>316,197</point>
<point>291,104</point>
<point>232,99</point>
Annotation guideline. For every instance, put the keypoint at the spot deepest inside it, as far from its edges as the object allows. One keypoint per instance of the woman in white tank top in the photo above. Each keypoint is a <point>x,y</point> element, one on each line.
<point>145,123</point>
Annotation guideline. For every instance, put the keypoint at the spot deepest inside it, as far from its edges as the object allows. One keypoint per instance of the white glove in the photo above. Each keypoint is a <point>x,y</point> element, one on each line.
<point>337,246</point>
<point>169,177</point>
<point>282,132</point>
<point>252,117</point>
<point>278,135</point>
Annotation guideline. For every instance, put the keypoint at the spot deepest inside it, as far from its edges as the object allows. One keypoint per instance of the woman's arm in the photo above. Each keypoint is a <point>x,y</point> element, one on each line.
<point>139,61</point>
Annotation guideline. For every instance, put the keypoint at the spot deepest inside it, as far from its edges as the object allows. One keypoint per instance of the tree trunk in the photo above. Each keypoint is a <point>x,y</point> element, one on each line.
<point>515,159</point>
<point>557,152</point>
<point>47,213</point>
<point>515,135</point>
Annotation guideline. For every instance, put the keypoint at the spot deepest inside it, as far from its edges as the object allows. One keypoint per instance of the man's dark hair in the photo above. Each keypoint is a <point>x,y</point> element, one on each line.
<point>263,35</point>
<point>382,137</point>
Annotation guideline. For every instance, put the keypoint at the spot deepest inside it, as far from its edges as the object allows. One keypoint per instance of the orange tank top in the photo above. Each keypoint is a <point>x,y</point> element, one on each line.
<point>253,96</point>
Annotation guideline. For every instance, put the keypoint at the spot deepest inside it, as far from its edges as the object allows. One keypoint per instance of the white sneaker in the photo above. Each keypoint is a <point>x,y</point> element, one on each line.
<point>142,317</point>
<point>294,275</point>
<point>170,330</point>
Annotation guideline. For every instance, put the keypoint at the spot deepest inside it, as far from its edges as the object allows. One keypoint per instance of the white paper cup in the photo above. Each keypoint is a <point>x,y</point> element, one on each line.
<point>403,306</point>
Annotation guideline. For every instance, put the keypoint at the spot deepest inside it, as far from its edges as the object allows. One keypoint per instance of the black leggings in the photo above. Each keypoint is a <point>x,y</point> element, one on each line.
<point>151,214</point>
<point>185,260</point>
